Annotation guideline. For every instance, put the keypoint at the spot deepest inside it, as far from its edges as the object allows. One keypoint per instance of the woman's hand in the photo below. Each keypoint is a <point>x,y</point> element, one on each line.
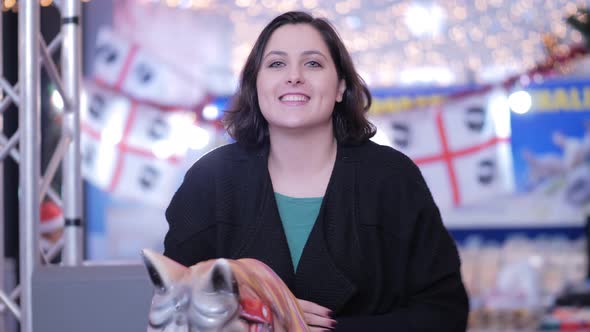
<point>317,317</point>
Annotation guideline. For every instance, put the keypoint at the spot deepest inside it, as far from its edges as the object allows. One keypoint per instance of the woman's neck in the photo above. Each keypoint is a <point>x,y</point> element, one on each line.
<point>302,153</point>
<point>300,165</point>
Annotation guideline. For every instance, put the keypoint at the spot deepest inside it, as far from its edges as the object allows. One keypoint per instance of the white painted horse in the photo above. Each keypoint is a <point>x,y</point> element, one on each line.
<point>242,295</point>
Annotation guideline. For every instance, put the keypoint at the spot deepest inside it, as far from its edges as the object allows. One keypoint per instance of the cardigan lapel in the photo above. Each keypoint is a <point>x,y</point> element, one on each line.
<point>265,239</point>
<point>319,278</point>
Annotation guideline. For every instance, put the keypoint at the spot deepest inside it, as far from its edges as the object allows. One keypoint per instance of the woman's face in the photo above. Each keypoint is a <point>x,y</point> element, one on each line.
<point>297,83</point>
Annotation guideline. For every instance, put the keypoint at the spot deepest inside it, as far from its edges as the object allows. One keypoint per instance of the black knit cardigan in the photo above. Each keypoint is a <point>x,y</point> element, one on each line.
<point>378,254</point>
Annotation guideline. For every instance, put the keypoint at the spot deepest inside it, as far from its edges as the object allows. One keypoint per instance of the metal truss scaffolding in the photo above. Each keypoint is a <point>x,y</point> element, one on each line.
<point>25,148</point>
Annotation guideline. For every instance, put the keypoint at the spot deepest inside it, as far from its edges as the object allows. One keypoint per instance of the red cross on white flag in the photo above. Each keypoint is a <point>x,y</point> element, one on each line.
<point>133,150</point>
<point>126,68</point>
<point>139,122</point>
<point>462,147</point>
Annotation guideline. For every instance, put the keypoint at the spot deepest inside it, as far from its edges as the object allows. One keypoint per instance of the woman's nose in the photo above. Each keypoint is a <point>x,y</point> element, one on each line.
<point>294,77</point>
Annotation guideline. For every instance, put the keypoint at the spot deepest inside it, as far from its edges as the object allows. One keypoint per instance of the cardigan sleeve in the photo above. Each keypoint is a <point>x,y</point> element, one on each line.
<point>435,298</point>
<point>190,216</point>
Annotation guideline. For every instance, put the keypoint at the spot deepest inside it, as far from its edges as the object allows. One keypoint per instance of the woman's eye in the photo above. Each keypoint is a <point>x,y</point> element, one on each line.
<point>313,64</point>
<point>276,64</point>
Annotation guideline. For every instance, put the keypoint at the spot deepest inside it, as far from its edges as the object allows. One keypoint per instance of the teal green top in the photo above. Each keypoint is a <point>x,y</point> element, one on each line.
<point>298,216</point>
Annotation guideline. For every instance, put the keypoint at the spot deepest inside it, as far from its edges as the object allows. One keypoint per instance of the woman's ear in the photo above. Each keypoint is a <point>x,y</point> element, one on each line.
<point>341,89</point>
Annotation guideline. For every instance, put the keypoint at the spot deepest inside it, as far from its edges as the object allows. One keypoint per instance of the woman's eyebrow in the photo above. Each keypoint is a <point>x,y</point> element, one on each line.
<point>282,53</point>
<point>314,52</point>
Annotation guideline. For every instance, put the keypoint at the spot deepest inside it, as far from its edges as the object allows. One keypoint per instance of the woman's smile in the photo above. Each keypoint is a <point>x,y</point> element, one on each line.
<point>294,99</point>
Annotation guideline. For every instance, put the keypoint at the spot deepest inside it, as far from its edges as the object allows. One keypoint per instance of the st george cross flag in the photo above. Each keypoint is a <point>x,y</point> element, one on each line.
<point>126,68</point>
<point>139,121</point>
<point>130,149</point>
<point>462,147</point>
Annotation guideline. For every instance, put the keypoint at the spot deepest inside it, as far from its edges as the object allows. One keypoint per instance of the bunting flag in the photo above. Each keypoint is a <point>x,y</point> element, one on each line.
<point>128,69</point>
<point>130,149</point>
<point>462,146</point>
<point>139,121</point>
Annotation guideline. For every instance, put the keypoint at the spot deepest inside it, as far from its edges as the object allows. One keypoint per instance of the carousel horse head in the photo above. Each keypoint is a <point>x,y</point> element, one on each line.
<point>219,295</point>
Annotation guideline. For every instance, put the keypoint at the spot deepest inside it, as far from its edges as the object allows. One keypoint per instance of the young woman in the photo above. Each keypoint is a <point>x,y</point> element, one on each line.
<point>349,225</point>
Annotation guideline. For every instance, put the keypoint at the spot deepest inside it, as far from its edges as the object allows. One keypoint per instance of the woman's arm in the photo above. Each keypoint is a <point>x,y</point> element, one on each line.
<point>435,297</point>
<point>191,218</point>
<point>442,308</point>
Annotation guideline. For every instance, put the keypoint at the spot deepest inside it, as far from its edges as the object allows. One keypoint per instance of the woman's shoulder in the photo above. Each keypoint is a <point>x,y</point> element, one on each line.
<point>215,160</point>
<point>231,151</point>
<point>381,158</point>
<point>227,152</point>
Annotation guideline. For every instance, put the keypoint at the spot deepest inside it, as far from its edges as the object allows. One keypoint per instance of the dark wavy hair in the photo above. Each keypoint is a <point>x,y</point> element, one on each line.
<point>244,121</point>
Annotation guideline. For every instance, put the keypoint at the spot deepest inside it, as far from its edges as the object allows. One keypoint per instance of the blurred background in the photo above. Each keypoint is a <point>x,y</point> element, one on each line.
<point>491,98</point>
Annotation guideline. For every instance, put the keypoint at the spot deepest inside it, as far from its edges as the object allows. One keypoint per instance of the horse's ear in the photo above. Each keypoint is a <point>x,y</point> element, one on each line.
<point>221,278</point>
<point>162,270</point>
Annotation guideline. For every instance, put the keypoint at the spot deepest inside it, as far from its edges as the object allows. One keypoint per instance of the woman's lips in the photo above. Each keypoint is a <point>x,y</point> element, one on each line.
<point>294,99</point>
